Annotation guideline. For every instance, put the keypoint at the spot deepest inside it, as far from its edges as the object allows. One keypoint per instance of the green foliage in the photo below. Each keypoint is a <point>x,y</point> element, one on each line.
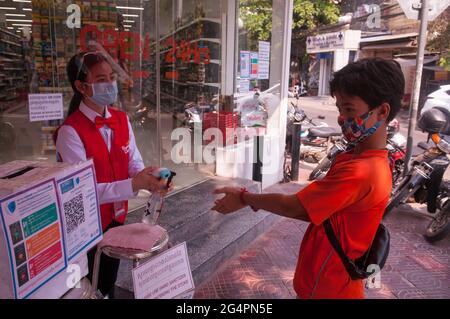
<point>444,61</point>
<point>308,14</point>
<point>439,38</point>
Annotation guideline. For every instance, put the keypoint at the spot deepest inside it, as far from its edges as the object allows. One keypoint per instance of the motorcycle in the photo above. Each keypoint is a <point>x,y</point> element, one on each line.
<point>396,144</point>
<point>316,138</point>
<point>424,181</point>
<point>192,115</point>
<point>300,90</point>
<point>193,112</point>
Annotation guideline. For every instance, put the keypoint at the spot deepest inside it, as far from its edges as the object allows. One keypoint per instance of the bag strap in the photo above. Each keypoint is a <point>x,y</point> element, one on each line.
<point>335,243</point>
<point>352,269</point>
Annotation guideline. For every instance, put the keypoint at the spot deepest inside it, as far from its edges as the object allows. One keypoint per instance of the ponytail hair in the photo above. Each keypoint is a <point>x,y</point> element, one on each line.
<point>75,102</point>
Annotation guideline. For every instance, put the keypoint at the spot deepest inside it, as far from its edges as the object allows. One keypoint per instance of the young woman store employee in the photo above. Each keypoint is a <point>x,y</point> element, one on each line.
<point>95,130</point>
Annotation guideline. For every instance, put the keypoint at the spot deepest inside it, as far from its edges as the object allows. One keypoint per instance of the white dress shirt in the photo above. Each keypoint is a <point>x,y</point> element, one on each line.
<point>71,150</point>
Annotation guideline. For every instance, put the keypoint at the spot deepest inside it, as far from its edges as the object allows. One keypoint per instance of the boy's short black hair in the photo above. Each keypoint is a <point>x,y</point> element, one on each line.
<point>374,80</point>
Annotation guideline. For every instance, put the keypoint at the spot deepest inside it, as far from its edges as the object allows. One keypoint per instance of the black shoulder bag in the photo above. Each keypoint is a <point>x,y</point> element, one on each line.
<point>376,254</point>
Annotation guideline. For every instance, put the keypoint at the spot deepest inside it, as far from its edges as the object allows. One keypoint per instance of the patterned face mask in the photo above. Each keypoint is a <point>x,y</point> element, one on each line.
<point>354,128</point>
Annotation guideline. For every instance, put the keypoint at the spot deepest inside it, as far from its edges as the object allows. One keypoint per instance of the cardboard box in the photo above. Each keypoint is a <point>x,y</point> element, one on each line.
<point>49,219</point>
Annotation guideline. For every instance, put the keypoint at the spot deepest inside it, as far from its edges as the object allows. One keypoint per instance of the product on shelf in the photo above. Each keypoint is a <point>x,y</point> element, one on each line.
<point>190,62</point>
<point>13,72</point>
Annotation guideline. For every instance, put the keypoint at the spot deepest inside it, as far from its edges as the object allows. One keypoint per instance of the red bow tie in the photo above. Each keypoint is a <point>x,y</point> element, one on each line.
<point>101,121</point>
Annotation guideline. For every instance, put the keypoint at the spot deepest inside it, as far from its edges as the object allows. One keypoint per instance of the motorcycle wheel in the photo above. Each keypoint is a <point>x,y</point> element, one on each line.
<point>439,226</point>
<point>323,166</point>
<point>397,173</point>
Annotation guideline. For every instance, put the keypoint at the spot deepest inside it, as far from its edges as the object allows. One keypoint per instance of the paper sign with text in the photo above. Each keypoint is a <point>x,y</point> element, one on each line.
<point>45,107</point>
<point>165,276</point>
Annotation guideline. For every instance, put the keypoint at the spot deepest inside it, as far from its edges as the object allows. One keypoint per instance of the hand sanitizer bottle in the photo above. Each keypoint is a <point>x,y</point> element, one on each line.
<point>156,201</point>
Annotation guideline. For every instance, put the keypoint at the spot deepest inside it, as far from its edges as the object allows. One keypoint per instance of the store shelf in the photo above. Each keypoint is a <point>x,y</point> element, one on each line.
<point>13,76</point>
<point>193,41</point>
<point>188,25</point>
<point>174,82</point>
<point>9,33</point>
<point>174,98</point>
<point>204,32</point>
<point>206,40</point>
<point>188,83</point>
<point>210,61</point>
<point>13,69</point>
<point>216,85</point>
<point>10,54</point>
<point>11,43</point>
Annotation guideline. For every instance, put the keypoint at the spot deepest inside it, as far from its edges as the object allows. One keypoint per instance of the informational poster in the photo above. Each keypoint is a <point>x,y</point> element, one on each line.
<point>263,70</point>
<point>264,60</point>
<point>165,276</point>
<point>45,107</point>
<point>264,50</point>
<point>32,227</point>
<point>244,85</point>
<point>80,209</point>
<point>254,65</point>
<point>245,65</point>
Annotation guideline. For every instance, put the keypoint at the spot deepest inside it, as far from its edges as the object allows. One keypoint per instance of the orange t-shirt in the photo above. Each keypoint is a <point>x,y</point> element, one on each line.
<point>353,195</point>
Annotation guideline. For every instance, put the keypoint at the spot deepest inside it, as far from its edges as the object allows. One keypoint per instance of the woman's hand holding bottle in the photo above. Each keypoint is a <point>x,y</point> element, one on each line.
<point>145,179</point>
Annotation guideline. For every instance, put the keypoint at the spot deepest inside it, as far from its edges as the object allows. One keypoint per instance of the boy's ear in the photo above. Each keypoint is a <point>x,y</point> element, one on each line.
<point>383,111</point>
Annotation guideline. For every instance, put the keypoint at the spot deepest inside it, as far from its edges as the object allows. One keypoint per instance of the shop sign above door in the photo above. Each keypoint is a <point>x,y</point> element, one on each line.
<point>324,42</point>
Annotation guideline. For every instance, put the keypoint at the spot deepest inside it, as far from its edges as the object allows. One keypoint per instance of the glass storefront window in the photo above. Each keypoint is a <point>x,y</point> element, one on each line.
<point>37,39</point>
<point>178,62</point>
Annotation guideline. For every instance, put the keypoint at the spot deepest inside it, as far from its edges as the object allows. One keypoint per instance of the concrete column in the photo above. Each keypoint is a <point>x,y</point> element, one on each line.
<point>229,21</point>
<point>341,57</point>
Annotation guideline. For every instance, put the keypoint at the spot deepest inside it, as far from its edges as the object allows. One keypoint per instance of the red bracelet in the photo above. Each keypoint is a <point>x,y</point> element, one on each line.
<point>241,197</point>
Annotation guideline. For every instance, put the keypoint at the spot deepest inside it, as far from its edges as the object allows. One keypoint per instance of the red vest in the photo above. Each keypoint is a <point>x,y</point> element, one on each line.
<point>109,166</point>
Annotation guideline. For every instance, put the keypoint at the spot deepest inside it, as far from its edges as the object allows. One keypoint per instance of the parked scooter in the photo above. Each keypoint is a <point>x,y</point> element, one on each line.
<point>424,181</point>
<point>192,115</point>
<point>396,146</point>
<point>316,137</point>
<point>300,90</point>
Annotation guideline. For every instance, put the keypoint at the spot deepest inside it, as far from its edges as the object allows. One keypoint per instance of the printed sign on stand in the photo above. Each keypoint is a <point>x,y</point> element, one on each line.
<point>78,194</point>
<point>45,107</point>
<point>165,276</point>
<point>32,227</point>
<point>49,219</point>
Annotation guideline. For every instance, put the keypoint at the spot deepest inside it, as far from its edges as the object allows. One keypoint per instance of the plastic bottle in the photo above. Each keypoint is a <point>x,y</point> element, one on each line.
<point>156,201</point>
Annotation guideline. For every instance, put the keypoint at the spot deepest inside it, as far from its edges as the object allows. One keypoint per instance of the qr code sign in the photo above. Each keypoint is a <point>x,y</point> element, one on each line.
<point>74,212</point>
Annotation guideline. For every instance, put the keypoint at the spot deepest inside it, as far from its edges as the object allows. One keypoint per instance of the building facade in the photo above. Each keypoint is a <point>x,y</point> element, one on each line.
<point>181,64</point>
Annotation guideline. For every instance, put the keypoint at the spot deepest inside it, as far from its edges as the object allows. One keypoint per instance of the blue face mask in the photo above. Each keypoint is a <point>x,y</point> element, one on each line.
<point>104,94</point>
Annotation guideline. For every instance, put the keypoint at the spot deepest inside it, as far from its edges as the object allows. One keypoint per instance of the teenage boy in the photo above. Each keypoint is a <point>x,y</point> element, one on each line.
<point>354,193</point>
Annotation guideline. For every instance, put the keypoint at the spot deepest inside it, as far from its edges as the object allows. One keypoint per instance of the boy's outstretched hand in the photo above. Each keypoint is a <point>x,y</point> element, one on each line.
<point>231,202</point>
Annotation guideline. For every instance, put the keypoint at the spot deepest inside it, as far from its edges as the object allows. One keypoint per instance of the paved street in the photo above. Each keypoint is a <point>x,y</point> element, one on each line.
<point>414,269</point>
